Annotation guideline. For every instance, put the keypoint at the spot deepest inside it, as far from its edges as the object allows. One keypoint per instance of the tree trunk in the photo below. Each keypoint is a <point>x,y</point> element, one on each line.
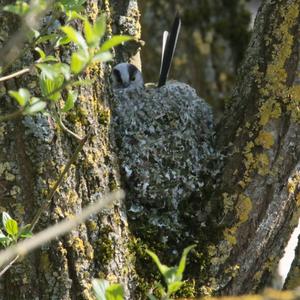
<point>34,152</point>
<point>259,185</point>
<point>244,216</point>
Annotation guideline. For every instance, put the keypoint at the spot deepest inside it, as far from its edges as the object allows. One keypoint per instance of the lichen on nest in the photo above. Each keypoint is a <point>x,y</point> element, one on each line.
<point>165,140</point>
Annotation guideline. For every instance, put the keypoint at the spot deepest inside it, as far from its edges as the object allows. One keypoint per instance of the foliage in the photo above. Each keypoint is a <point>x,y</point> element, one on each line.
<point>53,74</point>
<point>12,232</point>
<point>172,276</point>
<point>104,291</point>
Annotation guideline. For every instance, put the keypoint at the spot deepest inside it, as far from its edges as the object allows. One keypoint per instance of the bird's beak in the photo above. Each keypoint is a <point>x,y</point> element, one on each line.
<point>126,84</point>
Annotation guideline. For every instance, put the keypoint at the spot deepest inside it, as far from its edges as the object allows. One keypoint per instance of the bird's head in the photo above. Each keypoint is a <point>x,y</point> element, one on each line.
<point>127,76</point>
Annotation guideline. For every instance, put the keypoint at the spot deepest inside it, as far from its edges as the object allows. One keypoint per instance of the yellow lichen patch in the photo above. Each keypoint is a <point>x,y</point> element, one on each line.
<point>249,159</point>
<point>265,139</point>
<point>72,197</point>
<point>91,225</point>
<point>262,164</point>
<point>257,276</point>
<point>78,245</point>
<point>89,251</point>
<point>44,262</point>
<point>276,75</point>
<point>293,183</point>
<point>242,184</point>
<point>293,105</point>
<point>112,278</point>
<point>212,250</point>
<point>229,235</point>
<point>233,270</point>
<point>9,176</point>
<point>243,208</point>
<point>277,294</point>
<point>298,199</point>
<point>269,110</point>
<point>228,202</point>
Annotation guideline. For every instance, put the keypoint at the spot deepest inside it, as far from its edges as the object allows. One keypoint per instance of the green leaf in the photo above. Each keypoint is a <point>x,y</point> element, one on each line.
<point>115,41</point>
<point>71,99</point>
<point>170,275</point>
<point>35,33</point>
<point>50,58</point>
<point>5,241</point>
<point>11,227</point>
<point>162,268</point>
<point>99,287</point>
<point>40,52</point>
<point>94,33</point>
<point>74,36</point>
<point>102,57</point>
<point>19,8</point>
<point>46,38</point>
<point>35,107</point>
<point>62,41</point>
<point>73,15</point>
<point>51,71</point>
<point>22,96</point>
<point>48,71</point>
<point>5,218</point>
<point>100,26</point>
<point>174,287</point>
<point>88,32</point>
<point>182,262</point>
<point>25,231</point>
<point>114,292</point>
<point>50,87</point>
<point>78,62</point>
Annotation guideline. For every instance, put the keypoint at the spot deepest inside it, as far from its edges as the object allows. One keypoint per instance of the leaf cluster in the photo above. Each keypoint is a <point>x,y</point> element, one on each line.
<point>172,276</point>
<point>11,231</point>
<point>54,75</point>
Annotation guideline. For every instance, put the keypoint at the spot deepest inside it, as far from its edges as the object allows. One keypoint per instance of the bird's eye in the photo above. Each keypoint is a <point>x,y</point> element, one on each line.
<point>117,75</point>
<point>133,78</point>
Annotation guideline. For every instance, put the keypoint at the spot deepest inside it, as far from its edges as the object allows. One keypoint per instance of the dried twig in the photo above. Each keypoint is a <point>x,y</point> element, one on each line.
<point>57,230</point>
<point>15,74</point>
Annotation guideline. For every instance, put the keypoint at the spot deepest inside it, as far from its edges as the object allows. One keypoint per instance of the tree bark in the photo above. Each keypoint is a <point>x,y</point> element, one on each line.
<point>244,216</point>
<point>34,152</point>
<point>259,185</point>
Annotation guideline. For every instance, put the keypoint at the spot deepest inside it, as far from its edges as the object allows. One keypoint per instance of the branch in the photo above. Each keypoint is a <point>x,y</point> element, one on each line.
<point>12,115</point>
<point>25,246</point>
<point>18,73</point>
<point>59,181</point>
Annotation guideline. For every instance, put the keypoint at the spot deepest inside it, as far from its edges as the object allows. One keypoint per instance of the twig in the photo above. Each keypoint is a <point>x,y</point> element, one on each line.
<point>58,182</point>
<point>50,196</point>
<point>8,266</point>
<point>25,246</point>
<point>18,73</point>
<point>66,129</point>
<point>12,115</point>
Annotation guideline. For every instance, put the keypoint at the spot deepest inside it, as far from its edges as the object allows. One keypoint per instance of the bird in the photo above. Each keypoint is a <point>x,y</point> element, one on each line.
<point>164,137</point>
<point>128,76</point>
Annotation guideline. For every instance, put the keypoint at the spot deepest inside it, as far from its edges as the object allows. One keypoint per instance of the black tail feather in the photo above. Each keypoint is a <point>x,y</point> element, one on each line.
<point>169,50</point>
